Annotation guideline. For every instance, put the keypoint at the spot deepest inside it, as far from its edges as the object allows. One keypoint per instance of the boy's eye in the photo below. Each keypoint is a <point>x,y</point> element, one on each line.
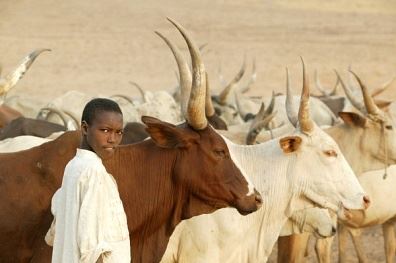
<point>105,130</point>
<point>121,132</point>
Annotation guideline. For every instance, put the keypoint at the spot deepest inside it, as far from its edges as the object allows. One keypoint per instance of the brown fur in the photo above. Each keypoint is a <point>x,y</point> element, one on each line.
<point>159,187</point>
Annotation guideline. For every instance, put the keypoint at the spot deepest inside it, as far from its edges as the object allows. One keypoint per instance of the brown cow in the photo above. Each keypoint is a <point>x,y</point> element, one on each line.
<point>181,172</point>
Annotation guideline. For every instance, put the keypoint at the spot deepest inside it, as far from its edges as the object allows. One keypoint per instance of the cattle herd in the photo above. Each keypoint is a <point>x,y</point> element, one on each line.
<point>212,178</point>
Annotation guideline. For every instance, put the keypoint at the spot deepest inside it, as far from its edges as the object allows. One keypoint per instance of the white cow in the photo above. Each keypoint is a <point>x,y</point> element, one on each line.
<point>298,171</point>
<point>368,141</point>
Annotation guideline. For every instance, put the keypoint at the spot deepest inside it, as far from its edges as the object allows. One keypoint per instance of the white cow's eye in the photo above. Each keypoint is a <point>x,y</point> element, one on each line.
<point>331,153</point>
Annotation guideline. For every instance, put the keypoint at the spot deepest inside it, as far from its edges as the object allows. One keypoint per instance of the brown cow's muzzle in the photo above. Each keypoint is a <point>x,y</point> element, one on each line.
<point>249,203</point>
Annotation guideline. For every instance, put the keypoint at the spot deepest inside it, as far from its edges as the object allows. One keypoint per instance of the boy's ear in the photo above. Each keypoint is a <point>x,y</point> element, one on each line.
<point>290,143</point>
<point>84,127</point>
<point>352,118</point>
<point>167,135</point>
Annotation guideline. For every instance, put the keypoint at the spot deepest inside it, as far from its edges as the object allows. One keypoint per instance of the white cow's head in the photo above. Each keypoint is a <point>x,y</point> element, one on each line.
<point>320,171</point>
<point>368,138</point>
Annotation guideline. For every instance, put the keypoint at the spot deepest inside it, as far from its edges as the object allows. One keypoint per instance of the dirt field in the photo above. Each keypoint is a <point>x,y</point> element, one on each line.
<point>99,46</point>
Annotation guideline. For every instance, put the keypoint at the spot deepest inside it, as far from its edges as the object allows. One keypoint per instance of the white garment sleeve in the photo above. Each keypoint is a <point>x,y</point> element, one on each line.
<point>92,218</point>
<point>50,236</point>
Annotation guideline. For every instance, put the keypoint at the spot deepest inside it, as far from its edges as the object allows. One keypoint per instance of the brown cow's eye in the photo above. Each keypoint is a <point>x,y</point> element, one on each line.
<point>331,153</point>
<point>389,127</point>
<point>221,153</point>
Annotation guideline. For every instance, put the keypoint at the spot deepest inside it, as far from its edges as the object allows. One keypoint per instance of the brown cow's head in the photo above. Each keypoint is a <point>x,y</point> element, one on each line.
<point>203,166</point>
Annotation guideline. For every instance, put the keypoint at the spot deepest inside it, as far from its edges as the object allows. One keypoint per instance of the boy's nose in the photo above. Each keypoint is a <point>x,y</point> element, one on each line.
<point>111,138</point>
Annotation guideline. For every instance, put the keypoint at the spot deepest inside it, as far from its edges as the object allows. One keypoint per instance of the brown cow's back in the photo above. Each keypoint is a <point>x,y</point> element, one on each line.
<point>28,179</point>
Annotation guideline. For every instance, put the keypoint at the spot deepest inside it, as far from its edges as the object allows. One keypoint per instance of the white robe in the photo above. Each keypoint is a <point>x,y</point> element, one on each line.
<point>89,218</point>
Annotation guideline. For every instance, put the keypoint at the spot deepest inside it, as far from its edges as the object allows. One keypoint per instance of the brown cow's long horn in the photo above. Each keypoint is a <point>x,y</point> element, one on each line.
<point>209,109</point>
<point>290,107</point>
<point>378,91</point>
<point>356,103</point>
<point>12,78</point>
<point>306,124</point>
<point>226,91</point>
<point>185,74</point>
<point>196,106</point>
<point>371,107</point>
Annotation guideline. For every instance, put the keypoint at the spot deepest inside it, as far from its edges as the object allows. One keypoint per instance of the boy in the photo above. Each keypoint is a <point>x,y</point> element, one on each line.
<point>89,219</point>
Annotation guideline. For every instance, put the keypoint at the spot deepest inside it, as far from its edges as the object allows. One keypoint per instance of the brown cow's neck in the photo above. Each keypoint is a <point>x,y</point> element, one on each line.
<point>153,202</point>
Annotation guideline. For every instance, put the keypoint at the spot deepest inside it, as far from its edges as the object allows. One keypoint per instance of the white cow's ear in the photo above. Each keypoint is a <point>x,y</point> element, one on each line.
<point>290,143</point>
<point>352,118</point>
<point>167,135</point>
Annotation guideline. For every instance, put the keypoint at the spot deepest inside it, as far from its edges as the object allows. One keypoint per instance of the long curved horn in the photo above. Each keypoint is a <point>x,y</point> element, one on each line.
<point>209,109</point>
<point>259,116</point>
<point>271,107</point>
<point>140,89</point>
<point>122,97</point>
<point>184,72</point>
<point>334,91</point>
<point>371,107</point>
<point>226,91</point>
<point>11,79</point>
<point>252,79</point>
<point>290,106</point>
<point>306,124</point>
<point>196,106</point>
<point>257,127</point>
<point>319,85</point>
<point>356,103</point>
<point>241,111</point>
<point>378,91</point>
<point>74,118</point>
<point>53,110</point>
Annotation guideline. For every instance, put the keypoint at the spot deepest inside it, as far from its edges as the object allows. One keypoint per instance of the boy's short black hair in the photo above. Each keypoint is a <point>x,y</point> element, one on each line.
<point>96,105</point>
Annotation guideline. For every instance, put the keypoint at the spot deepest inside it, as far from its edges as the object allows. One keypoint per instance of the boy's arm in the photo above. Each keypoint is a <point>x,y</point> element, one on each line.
<point>90,229</point>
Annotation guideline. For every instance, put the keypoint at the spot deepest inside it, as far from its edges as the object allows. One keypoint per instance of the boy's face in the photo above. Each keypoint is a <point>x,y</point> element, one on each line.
<point>104,133</point>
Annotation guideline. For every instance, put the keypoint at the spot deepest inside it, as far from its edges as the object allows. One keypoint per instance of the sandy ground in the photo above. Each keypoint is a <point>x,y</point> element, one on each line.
<point>99,46</point>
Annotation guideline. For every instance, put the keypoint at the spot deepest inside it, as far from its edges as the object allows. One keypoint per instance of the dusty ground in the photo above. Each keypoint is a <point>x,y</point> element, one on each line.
<point>99,46</point>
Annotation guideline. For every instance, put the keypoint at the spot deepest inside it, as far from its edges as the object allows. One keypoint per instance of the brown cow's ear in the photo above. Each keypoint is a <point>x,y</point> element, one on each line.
<point>167,135</point>
<point>290,143</point>
<point>352,118</point>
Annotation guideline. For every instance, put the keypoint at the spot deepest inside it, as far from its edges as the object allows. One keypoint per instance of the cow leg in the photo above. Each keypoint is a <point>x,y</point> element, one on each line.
<point>323,249</point>
<point>291,248</point>
<point>342,243</point>
<point>357,242</point>
<point>389,241</point>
